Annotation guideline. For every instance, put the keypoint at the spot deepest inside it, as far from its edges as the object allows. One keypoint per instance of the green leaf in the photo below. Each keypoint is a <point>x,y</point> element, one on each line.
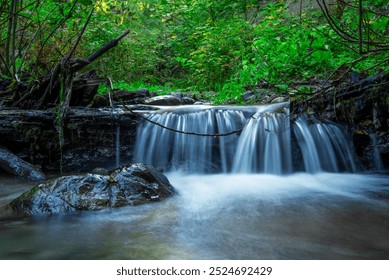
<point>319,43</point>
<point>321,56</point>
<point>86,2</point>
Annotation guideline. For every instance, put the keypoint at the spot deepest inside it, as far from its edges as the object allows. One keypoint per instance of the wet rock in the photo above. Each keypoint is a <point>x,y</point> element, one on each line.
<point>125,95</point>
<point>99,101</point>
<point>91,137</point>
<point>279,99</point>
<point>165,100</point>
<point>100,170</point>
<point>183,98</point>
<point>190,94</point>
<point>13,165</point>
<point>177,94</point>
<point>248,95</point>
<point>258,96</point>
<point>85,87</point>
<point>120,96</point>
<point>187,101</point>
<point>360,106</point>
<point>135,184</point>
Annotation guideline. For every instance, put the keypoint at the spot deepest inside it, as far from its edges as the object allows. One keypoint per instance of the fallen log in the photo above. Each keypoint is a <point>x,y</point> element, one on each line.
<point>14,165</point>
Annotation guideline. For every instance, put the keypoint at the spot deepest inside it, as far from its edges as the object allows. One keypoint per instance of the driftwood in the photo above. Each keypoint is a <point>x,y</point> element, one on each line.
<point>14,165</point>
<point>63,77</point>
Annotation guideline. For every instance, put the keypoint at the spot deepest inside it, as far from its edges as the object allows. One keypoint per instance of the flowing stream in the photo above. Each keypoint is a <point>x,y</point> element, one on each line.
<point>249,195</point>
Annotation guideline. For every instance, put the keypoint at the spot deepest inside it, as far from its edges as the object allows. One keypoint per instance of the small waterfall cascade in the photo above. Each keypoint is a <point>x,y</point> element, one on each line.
<point>324,146</point>
<point>117,147</point>
<point>262,145</point>
<point>196,154</point>
<point>199,154</point>
<point>377,161</point>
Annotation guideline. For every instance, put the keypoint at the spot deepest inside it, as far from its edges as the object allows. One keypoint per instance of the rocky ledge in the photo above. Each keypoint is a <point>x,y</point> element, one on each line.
<point>91,138</point>
<point>362,107</point>
<point>133,185</point>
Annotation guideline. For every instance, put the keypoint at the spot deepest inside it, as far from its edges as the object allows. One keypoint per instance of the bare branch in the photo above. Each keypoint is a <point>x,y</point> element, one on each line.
<point>69,55</point>
<point>169,128</point>
<point>99,52</point>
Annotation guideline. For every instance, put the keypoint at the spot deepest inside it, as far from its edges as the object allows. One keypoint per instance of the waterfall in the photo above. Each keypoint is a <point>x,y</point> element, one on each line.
<point>377,161</point>
<point>262,146</point>
<point>117,146</point>
<point>196,154</point>
<point>324,146</point>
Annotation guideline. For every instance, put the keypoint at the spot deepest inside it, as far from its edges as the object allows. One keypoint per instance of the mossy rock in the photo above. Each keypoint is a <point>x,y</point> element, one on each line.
<point>133,185</point>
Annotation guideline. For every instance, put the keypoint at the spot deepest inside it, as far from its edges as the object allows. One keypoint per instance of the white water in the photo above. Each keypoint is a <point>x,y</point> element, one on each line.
<point>377,161</point>
<point>222,216</point>
<point>263,146</point>
<point>238,197</point>
<point>324,146</point>
<point>117,147</point>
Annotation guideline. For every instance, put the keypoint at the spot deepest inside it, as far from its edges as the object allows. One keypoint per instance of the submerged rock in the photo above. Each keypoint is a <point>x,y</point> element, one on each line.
<point>135,184</point>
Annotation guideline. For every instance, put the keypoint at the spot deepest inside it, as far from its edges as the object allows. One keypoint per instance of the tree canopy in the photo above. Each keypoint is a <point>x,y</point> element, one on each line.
<point>223,46</point>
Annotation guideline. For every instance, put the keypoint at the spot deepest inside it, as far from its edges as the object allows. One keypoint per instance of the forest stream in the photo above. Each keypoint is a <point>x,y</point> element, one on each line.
<point>251,195</point>
<point>240,216</point>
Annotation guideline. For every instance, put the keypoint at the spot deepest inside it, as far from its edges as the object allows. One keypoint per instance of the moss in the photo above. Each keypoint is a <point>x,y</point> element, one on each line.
<point>85,188</point>
<point>72,126</point>
<point>361,132</point>
<point>24,200</point>
<point>33,132</point>
<point>19,125</point>
<point>28,195</point>
<point>28,130</point>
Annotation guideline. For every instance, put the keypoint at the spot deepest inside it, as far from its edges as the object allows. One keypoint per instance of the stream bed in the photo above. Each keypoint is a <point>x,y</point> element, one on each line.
<point>236,216</point>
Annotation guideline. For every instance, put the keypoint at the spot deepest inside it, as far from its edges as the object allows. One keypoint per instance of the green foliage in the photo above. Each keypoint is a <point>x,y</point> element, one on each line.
<point>123,85</point>
<point>224,46</point>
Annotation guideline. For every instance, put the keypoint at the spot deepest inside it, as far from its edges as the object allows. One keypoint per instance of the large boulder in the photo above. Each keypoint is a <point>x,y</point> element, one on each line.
<point>134,184</point>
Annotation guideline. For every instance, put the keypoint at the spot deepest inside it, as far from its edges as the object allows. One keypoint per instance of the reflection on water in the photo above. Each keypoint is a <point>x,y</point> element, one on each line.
<point>301,216</point>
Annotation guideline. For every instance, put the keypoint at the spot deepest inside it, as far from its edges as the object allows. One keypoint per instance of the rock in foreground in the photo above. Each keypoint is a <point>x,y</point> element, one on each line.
<point>135,184</point>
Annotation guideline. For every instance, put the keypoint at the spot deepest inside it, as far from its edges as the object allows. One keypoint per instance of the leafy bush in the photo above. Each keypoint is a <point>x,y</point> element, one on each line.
<point>202,45</point>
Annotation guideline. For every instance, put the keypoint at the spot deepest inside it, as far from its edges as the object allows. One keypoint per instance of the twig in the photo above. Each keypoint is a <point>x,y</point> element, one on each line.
<point>173,129</point>
<point>55,29</point>
<point>100,52</point>
<point>69,55</point>
<point>181,131</point>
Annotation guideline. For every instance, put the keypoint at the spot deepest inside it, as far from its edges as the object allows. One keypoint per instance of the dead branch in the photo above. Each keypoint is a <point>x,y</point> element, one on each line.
<point>181,131</point>
<point>169,128</point>
<point>78,66</point>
